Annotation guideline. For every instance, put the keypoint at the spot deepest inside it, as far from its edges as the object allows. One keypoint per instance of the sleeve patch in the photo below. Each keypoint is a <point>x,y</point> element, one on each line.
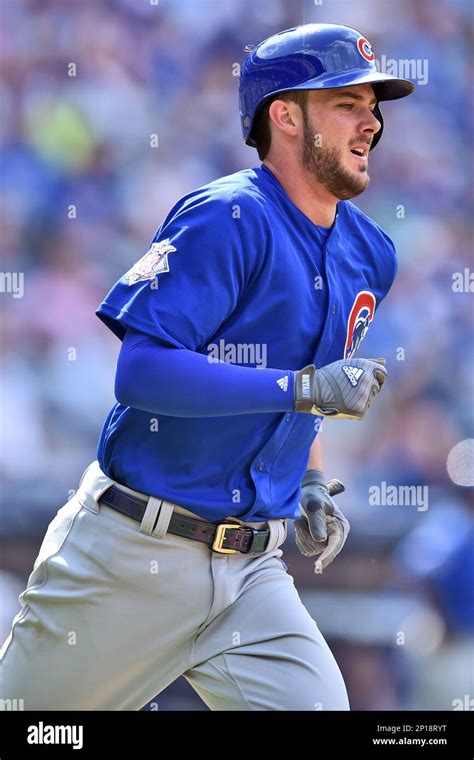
<point>155,261</point>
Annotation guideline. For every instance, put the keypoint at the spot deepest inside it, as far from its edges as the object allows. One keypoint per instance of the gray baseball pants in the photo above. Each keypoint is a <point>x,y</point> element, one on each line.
<point>115,611</point>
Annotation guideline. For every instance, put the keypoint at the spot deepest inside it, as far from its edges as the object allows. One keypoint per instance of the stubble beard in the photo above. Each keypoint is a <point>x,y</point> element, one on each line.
<point>326,167</point>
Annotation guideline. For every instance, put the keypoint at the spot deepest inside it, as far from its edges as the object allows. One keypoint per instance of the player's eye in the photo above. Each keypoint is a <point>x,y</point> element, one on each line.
<point>350,106</point>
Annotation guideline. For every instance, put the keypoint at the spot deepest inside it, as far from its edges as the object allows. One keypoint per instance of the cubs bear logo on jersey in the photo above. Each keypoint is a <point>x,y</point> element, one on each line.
<point>360,317</point>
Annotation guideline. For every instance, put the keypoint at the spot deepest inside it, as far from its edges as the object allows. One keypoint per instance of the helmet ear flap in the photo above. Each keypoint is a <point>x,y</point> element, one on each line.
<point>378,115</point>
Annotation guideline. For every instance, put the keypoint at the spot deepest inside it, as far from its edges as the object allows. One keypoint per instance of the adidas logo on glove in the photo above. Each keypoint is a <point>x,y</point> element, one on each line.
<point>353,373</point>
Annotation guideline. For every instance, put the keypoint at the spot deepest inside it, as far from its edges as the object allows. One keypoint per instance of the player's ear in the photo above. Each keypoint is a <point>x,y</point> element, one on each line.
<point>283,114</point>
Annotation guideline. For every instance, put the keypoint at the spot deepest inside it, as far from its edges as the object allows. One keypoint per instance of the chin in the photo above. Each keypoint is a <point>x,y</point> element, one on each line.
<point>361,180</point>
<point>354,188</point>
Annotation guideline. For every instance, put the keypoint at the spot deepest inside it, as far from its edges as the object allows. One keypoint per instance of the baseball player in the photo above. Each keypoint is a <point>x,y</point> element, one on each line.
<point>238,330</point>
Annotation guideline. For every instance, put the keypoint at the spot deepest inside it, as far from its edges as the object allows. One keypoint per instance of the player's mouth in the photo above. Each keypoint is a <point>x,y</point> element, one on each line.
<point>361,153</point>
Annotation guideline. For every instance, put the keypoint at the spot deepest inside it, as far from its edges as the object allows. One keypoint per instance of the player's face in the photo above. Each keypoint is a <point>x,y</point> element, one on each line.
<point>338,128</point>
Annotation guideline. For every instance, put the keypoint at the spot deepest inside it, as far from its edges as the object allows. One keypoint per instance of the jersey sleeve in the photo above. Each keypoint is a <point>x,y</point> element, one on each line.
<point>187,283</point>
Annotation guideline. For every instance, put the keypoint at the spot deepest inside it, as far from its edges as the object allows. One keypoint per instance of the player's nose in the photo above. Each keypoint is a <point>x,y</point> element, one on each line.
<point>371,125</point>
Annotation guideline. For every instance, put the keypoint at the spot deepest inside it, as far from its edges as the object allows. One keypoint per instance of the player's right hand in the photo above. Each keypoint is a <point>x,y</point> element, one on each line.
<point>344,389</point>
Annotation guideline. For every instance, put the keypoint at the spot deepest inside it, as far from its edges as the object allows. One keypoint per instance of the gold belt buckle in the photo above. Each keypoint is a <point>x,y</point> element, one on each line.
<point>220,537</point>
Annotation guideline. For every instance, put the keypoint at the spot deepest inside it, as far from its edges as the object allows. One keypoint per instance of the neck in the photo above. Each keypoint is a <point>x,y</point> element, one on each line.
<point>304,191</point>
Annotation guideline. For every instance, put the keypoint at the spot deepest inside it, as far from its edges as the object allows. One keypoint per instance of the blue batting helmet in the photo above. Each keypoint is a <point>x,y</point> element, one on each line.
<point>312,57</point>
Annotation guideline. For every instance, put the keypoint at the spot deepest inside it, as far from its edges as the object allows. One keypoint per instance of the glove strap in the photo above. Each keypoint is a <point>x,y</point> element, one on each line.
<point>304,385</point>
<point>313,477</point>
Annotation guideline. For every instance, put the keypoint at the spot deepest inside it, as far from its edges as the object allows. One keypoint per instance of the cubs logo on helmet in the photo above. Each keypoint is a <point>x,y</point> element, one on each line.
<point>365,49</point>
<point>360,317</point>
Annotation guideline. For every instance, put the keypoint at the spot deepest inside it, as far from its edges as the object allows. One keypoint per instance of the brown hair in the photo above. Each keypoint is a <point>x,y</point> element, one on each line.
<point>261,126</point>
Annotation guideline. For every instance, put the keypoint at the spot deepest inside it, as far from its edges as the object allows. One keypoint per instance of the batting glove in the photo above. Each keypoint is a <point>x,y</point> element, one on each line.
<point>343,389</point>
<point>323,529</point>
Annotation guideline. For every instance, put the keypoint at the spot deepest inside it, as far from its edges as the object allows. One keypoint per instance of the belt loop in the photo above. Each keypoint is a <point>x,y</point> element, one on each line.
<point>164,518</point>
<point>149,518</point>
<point>278,532</point>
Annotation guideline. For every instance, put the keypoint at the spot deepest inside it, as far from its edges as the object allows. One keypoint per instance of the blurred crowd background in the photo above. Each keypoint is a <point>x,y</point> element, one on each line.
<point>83,190</point>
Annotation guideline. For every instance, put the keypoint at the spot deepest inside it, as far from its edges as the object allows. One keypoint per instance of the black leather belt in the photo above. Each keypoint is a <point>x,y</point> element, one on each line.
<point>225,537</point>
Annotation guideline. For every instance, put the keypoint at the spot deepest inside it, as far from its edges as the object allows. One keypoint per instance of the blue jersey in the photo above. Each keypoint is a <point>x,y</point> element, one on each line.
<point>236,269</point>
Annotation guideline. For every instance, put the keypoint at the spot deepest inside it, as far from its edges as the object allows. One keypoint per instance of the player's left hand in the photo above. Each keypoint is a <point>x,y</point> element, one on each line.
<point>323,529</point>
